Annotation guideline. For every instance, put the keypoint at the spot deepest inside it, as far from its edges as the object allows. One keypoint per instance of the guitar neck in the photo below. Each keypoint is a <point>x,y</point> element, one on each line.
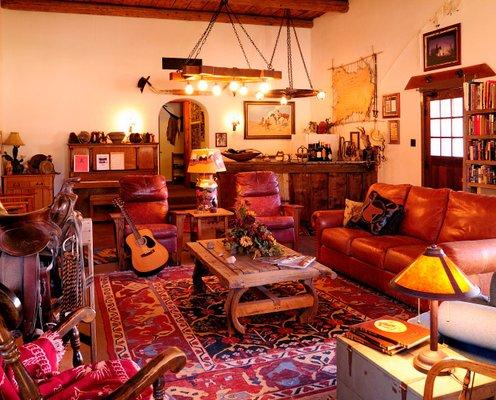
<point>130,222</point>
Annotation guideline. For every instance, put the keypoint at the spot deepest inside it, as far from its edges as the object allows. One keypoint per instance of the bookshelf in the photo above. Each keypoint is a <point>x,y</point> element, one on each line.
<point>479,161</point>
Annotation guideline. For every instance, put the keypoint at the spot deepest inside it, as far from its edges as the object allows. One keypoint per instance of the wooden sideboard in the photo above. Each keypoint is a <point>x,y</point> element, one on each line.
<point>139,159</point>
<point>39,186</point>
<point>314,185</point>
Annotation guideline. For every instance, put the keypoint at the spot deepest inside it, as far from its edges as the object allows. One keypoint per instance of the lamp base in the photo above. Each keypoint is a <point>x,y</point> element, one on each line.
<point>424,360</point>
<point>206,194</point>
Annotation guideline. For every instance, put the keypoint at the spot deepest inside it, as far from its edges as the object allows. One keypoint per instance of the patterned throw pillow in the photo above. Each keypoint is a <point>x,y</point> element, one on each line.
<point>379,216</point>
<point>351,209</point>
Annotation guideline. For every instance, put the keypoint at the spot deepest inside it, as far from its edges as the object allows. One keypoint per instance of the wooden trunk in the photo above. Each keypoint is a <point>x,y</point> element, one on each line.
<point>314,185</point>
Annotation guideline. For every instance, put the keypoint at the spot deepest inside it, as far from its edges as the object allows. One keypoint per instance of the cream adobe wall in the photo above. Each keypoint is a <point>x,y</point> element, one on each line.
<point>67,72</point>
<point>396,27</point>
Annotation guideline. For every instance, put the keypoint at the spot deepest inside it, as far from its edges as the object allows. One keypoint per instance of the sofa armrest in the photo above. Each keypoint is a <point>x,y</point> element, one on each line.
<point>325,219</point>
<point>472,256</point>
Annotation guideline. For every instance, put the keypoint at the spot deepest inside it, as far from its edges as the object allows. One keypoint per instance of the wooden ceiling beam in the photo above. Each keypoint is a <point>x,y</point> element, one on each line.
<point>139,12</point>
<point>298,5</point>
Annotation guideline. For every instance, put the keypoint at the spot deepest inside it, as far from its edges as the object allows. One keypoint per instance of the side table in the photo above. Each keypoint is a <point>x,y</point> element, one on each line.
<point>366,374</point>
<point>198,219</point>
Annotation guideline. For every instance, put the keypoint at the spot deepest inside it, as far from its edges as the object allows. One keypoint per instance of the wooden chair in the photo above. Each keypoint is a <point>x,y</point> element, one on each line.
<point>172,359</point>
<point>470,366</point>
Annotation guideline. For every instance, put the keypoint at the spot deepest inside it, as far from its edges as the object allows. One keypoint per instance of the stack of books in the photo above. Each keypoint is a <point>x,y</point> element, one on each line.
<point>388,334</point>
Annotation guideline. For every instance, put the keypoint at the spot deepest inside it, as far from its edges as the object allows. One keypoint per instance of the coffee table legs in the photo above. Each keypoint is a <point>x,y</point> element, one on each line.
<point>198,273</point>
<point>309,313</point>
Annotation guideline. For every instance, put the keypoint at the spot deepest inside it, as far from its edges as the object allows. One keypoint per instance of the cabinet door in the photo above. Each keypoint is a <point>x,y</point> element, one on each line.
<point>354,186</point>
<point>319,193</point>
<point>301,193</point>
<point>146,157</point>
<point>337,190</point>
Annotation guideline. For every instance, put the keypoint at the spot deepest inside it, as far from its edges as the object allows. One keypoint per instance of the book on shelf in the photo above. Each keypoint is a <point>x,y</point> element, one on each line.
<point>480,95</point>
<point>388,334</point>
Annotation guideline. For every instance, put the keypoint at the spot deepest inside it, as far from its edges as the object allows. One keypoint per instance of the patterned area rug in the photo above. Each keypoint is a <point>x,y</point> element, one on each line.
<point>278,357</point>
<point>103,256</point>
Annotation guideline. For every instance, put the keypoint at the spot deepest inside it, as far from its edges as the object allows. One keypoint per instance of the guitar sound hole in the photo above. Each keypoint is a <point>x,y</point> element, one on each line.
<point>149,242</point>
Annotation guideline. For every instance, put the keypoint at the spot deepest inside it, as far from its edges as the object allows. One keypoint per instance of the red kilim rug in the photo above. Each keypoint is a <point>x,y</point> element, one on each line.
<point>278,358</point>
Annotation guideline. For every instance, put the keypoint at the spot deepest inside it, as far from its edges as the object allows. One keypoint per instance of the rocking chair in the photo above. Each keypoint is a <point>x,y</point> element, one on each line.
<point>30,371</point>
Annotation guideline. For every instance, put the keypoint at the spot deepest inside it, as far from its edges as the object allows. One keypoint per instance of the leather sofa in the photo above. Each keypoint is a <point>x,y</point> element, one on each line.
<point>462,224</point>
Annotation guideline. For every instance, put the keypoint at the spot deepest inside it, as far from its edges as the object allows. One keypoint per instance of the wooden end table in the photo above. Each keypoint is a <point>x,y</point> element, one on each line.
<point>245,274</point>
<point>367,374</point>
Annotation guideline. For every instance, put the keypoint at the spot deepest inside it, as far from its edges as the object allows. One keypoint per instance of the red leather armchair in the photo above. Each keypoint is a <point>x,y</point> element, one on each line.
<point>260,191</point>
<point>145,197</point>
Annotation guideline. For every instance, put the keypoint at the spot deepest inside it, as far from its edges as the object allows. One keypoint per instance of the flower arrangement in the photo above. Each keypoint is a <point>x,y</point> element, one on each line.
<point>248,236</point>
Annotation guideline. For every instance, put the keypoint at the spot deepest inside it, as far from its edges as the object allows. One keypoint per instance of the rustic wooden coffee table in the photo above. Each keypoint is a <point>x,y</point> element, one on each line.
<point>210,259</point>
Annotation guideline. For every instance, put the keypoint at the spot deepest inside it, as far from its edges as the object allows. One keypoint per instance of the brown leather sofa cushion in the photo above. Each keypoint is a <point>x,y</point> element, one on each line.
<point>260,190</point>
<point>340,238</point>
<point>398,258</point>
<point>425,209</point>
<point>372,250</point>
<point>469,216</point>
<point>395,193</point>
<point>472,256</point>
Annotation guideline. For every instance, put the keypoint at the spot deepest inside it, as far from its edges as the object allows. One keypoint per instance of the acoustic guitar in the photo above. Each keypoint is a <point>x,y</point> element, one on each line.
<point>148,256</point>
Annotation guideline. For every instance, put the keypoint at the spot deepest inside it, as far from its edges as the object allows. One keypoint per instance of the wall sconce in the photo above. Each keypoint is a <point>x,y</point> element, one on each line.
<point>235,124</point>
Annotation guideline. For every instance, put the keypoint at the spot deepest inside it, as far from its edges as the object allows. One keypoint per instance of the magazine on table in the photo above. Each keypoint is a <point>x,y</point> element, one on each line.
<point>299,261</point>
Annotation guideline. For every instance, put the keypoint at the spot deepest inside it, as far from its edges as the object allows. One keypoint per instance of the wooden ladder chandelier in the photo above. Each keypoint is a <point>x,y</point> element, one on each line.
<point>235,79</point>
<point>290,92</point>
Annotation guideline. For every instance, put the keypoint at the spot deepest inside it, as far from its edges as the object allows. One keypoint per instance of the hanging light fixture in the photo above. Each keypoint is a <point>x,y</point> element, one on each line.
<point>236,78</point>
<point>189,89</point>
<point>290,92</point>
<point>259,96</point>
<point>216,90</point>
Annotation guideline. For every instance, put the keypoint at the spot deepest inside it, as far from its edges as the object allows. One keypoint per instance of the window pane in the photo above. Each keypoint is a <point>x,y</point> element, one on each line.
<point>457,147</point>
<point>435,127</point>
<point>435,113</point>
<point>457,107</point>
<point>446,127</point>
<point>457,127</point>
<point>435,147</point>
<point>446,108</point>
<point>446,147</point>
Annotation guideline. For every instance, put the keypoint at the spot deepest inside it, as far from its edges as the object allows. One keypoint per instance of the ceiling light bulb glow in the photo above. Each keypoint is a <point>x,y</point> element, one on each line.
<point>202,85</point>
<point>264,87</point>
<point>284,100</point>
<point>216,90</point>
<point>259,96</point>
<point>243,90</point>
<point>321,95</point>
<point>234,86</point>
<point>189,89</point>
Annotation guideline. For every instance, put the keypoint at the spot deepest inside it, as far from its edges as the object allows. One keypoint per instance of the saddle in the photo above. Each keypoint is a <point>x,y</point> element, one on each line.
<point>22,238</point>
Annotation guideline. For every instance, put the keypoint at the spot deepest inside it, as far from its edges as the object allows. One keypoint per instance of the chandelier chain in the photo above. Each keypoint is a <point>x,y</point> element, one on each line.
<point>301,55</point>
<point>238,38</point>
<point>290,56</point>
<point>238,21</point>
<point>275,45</point>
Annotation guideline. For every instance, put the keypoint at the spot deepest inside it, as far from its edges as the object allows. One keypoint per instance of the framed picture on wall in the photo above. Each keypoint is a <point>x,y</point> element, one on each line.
<point>442,48</point>
<point>394,131</point>
<point>220,139</point>
<point>269,120</point>
<point>355,139</point>
<point>81,163</point>
<point>391,105</point>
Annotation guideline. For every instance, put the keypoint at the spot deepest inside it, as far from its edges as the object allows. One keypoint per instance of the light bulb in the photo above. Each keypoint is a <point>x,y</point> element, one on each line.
<point>243,90</point>
<point>259,96</point>
<point>234,86</point>
<point>264,87</point>
<point>321,95</point>
<point>216,90</point>
<point>189,89</point>
<point>202,85</point>
<point>284,100</point>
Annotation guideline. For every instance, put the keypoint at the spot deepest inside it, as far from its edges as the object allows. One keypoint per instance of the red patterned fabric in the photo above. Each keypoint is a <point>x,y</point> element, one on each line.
<point>41,359</point>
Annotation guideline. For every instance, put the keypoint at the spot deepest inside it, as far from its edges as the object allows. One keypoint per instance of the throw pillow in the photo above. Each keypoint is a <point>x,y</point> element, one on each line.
<point>379,216</point>
<point>351,210</point>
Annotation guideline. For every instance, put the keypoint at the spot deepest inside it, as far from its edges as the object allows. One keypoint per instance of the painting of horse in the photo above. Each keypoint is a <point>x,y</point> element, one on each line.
<point>269,120</point>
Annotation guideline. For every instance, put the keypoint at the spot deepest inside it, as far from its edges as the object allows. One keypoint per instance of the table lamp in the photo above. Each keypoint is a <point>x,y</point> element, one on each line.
<point>15,140</point>
<point>206,163</point>
<point>435,277</point>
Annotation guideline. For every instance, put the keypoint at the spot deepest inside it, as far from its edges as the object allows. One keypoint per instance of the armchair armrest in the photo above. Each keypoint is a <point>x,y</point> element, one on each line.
<point>83,314</point>
<point>171,359</point>
<point>294,210</point>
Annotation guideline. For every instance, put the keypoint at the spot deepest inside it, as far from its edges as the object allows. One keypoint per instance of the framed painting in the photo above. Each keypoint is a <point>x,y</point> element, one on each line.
<point>391,105</point>
<point>442,48</point>
<point>394,131</point>
<point>221,139</point>
<point>269,120</point>
<point>355,139</point>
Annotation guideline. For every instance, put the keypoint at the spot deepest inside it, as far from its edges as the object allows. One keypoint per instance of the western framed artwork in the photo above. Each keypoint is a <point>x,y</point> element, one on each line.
<point>442,48</point>
<point>269,120</point>
<point>220,139</point>
<point>391,105</point>
<point>394,131</point>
